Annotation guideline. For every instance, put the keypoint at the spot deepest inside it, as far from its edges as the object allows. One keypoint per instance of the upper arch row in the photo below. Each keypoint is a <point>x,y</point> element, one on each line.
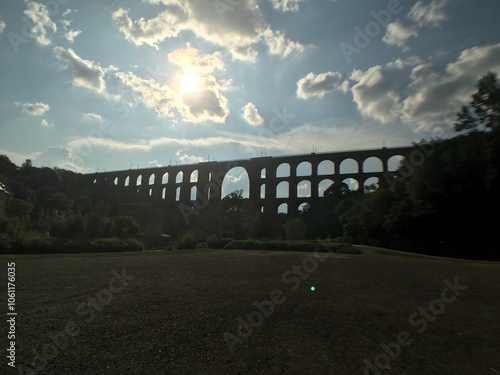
<point>305,168</point>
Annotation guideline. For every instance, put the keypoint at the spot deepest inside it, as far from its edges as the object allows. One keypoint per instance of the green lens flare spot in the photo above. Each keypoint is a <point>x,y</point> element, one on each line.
<point>313,288</point>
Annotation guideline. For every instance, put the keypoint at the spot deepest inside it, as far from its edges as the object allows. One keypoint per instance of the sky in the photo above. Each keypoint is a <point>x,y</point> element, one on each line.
<point>112,85</point>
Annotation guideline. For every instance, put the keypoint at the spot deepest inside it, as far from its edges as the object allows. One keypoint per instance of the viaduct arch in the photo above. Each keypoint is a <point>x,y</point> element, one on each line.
<point>170,187</point>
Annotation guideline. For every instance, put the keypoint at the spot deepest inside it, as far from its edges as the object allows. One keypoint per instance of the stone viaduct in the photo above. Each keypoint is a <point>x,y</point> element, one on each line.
<point>183,191</point>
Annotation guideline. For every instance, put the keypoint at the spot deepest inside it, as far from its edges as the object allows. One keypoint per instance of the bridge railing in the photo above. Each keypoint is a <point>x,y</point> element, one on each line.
<point>259,157</point>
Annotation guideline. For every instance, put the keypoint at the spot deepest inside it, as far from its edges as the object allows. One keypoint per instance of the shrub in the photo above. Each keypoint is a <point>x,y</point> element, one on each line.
<point>115,244</point>
<point>186,242</point>
<point>216,242</point>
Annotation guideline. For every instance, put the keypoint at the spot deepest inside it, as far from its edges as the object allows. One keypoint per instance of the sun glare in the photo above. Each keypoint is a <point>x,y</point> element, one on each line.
<point>189,82</point>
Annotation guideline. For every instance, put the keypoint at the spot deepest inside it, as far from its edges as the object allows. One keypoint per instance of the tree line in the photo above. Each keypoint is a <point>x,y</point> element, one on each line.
<point>45,204</point>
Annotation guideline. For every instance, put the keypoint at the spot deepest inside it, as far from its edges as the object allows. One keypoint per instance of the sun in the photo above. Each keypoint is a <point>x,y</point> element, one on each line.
<point>190,82</point>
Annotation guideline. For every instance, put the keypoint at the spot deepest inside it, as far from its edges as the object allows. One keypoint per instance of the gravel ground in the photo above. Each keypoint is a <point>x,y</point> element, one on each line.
<point>170,313</point>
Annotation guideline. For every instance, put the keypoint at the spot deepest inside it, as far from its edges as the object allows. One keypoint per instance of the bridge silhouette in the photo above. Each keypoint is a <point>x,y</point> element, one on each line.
<point>166,199</point>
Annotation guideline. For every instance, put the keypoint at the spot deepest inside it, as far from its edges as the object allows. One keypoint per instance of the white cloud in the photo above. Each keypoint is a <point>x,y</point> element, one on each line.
<point>42,24</point>
<point>422,14</point>
<point>60,157</point>
<point>90,116</point>
<point>153,95</point>
<point>70,35</point>
<point>431,94</point>
<point>320,84</point>
<point>85,73</point>
<point>428,14</point>
<point>418,95</point>
<point>201,103</point>
<point>68,11</point>
<point>376,90</point>
<point>279,45</point>
<point>199,106</point>
<point>34,109</point>
<point>325,137</point>
<point>205,105</point>
<point>189,59</point>
<point>154,163</point>
<point>235,27</point>
<point>187,159</point>
<point>397,34</point>
<point>251,114</point>
<point>46,124</point>
<point>2,26</point>
<point>234,179</point>
<point>286,5</point>
<point>166,25</point>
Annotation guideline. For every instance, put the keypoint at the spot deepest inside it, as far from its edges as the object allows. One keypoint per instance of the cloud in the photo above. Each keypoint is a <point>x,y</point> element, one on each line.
<point>2,26</point>
<point>68,11</point>
<point>70,35</point>
<point>152,94</point>
<point>397,34</point>
<point>238,27</point>
<point>279,45</point>
<point>432,94</point>
<point>189,59</point>
<point>428,14</point>
<point>286,5</point>
<point>205,102</point>
<point>325,137</point>
<point>154,163</point>
<point>419,95</point>
<point>251,115</point>
<point>34,109</point>
<point>93,117</point>
<point>234,179</point>
<point>376,90</point>
<point>46,124</point>
<point>187,159</point>
<point>421,15</point>
<point>320,84</point>
<point>166,24</point>
<point>42,24</point>
<point>84,73</point>
<point>59,157</point>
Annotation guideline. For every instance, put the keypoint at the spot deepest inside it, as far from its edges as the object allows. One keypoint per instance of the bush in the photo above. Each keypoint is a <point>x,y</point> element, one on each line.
<point>187,242</point>
<point>308,246</point>
<point>115,244</point>
<point>216,242</point>
<point>35,243</point>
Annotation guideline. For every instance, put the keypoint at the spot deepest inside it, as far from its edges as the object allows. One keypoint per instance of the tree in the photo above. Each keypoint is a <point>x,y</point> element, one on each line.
<point>484,108</point>
<point>60,202</point>
<point>125,226</point>
<point>7,167</point>
<point>237,217</point>
<point>26,166</point>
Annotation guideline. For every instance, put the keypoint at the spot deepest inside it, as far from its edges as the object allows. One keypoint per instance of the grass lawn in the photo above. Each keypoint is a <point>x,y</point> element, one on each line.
<point>172,312</point>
